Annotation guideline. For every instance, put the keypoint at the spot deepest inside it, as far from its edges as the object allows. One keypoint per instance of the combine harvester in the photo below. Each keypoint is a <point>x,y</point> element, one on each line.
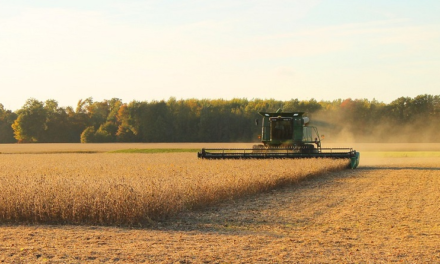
<point>285,136</point>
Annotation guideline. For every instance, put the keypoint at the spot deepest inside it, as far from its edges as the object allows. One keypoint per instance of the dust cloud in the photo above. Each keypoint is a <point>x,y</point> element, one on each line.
<point>348,129</point>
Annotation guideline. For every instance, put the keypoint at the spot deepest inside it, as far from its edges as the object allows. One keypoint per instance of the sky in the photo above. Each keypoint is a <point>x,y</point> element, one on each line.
<point>156,49</point>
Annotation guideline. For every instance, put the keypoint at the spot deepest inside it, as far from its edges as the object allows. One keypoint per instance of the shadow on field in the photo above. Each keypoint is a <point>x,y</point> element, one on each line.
<point>397,168</point>
<point>271,210</point>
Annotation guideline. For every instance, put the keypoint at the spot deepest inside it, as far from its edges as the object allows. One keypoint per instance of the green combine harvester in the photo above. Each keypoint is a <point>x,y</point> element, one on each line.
<point>285,136</point>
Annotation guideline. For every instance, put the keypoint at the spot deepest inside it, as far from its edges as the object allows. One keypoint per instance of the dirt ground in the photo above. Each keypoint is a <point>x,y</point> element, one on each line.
<point>387,210</point>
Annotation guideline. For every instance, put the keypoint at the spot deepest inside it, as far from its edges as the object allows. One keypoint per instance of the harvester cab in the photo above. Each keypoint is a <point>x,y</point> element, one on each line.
<point>285,135</point>
<point>288,130</point>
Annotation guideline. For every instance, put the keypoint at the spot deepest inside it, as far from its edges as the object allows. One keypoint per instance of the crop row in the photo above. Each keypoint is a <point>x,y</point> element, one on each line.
<point>133,189</point>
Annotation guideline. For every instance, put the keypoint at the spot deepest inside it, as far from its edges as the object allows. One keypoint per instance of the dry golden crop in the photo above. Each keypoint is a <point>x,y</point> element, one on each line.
<point>133,189</point>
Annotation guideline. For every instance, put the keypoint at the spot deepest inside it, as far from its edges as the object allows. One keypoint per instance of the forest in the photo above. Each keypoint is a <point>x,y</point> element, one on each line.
<point>405,119</point>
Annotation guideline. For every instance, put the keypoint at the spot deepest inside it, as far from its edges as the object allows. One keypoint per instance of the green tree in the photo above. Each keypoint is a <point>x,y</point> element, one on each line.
<point>31,122</point>
<point>57,125</point>
<point>88,135</point>
<point>6,120</point>
<point>106,132</point>
<point>155,122</point>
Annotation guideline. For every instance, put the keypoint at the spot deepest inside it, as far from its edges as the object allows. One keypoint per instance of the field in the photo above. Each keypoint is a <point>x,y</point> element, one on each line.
<point>385,211</point>
<point>133,189</point>
<point>98,148</point>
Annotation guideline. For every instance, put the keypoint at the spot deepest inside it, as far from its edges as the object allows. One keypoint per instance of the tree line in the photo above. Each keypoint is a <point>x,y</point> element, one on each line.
<point>216,120</point>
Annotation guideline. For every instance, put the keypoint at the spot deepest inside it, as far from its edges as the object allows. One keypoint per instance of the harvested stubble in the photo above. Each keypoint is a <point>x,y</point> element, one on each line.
<point>133,189</point>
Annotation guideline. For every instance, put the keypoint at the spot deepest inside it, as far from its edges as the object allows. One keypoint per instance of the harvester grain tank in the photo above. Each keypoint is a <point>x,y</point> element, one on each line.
<point>288,136</point>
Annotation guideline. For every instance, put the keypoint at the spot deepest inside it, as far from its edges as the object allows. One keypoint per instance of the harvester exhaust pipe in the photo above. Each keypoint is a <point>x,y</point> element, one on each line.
<point>306,120</point>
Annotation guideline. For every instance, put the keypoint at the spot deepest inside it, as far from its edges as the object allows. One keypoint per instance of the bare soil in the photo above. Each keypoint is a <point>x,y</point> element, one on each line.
<point>385,211</point>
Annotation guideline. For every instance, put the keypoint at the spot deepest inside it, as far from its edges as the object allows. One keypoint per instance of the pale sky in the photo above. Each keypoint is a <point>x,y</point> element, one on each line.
<point>153,50</point>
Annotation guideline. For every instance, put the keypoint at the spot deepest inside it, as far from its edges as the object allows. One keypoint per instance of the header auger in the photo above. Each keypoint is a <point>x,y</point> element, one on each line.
<point>288,136</point>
